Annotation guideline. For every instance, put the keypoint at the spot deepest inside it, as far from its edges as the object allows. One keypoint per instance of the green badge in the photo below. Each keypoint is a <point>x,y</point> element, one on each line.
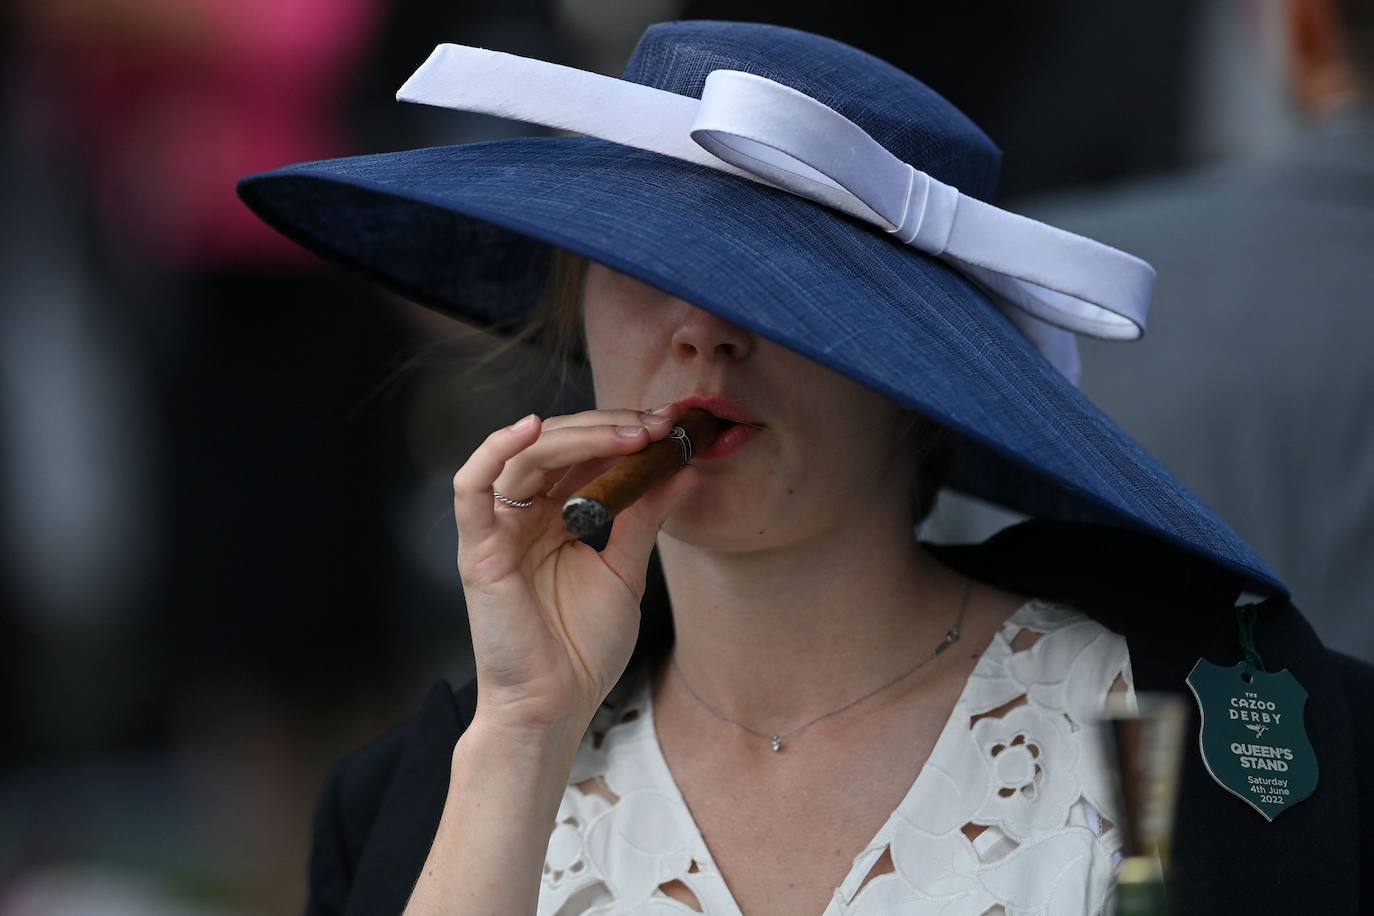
<point>1253,739</point>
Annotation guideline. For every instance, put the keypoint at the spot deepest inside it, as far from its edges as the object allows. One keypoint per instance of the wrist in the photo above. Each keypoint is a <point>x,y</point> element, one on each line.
<point>521,746</point>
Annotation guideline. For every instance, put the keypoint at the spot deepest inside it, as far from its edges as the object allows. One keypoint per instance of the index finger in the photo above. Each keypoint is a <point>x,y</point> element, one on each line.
<point>610,416</point>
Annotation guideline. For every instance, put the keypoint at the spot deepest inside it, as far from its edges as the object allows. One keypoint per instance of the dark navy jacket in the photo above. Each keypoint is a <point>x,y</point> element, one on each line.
<point>379,811</point>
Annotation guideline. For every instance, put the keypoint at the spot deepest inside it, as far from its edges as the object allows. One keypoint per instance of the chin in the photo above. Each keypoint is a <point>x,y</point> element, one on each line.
<point>719,521</point>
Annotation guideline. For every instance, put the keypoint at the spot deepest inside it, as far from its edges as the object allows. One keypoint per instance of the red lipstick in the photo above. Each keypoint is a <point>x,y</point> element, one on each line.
<point>740,424</point>
<point>722,407</point>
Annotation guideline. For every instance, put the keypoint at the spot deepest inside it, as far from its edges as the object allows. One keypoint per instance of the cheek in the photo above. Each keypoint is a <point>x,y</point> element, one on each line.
<point>858,452</point>
<point>617,351</point>
<point>595,322</point>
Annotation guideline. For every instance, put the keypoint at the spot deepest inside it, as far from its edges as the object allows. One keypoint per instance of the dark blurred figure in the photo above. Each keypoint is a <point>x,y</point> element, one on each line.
<point>174,727</point>
<point>216,448</point>
<point>1255,380</point>
<point>255,357</point>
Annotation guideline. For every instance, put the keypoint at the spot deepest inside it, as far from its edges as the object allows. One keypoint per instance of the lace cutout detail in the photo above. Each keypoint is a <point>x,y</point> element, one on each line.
<point>682,893</point>
<point>597,786</point>
<point>1012,814</point>
<point>883,866</point>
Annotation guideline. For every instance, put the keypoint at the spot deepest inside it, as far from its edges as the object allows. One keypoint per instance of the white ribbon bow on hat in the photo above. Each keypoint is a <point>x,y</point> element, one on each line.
<point>1050,283</point>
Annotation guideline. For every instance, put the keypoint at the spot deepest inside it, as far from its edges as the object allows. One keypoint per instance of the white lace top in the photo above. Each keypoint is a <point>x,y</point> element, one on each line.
<point>1012,813</point>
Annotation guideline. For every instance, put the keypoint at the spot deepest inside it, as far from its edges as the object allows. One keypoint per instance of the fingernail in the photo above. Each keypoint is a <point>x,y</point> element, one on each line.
<point>656,420</point>
<point>523,425</point>
<point>628,432</point>
<point>663,409</point>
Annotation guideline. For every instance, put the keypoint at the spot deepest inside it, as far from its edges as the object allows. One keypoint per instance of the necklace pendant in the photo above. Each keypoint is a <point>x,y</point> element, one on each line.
<point>777,743</point>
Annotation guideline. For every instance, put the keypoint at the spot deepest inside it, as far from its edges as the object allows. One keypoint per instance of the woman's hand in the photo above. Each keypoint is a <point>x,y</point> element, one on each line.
<point>554,621</point>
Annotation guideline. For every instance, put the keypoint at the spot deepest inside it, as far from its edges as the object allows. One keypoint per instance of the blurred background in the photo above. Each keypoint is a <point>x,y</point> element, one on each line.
<point>227,547</point>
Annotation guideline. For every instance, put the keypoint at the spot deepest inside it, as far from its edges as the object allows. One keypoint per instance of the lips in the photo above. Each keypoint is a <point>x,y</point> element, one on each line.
<point>739,425</point>
<point>728,441</point>
<point>722,408</point>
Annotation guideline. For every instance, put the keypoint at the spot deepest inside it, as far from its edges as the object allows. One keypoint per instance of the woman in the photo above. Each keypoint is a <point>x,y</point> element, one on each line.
<point>840,720</point>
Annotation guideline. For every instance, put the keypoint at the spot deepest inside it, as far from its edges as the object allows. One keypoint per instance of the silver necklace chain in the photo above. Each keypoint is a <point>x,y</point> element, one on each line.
<point>951,637</point>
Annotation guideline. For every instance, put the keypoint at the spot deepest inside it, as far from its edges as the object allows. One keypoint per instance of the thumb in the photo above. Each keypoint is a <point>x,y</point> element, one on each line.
<point>634,530</point>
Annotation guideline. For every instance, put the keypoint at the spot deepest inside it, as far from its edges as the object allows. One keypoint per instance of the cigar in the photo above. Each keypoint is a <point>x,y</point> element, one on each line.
<point>636,474</point>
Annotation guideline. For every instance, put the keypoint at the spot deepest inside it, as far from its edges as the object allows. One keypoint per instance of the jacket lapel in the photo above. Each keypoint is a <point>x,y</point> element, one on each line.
<point>399,841</point>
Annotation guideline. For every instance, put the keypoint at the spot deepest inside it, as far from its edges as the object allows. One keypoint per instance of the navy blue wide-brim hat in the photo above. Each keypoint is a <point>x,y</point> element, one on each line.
<point>469,230</point>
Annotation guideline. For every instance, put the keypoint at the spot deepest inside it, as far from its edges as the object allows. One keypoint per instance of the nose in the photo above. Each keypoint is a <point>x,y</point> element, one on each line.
<point>700,333</point>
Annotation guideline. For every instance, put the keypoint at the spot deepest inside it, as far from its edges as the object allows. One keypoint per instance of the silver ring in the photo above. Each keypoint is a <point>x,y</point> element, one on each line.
<point>517,503</point>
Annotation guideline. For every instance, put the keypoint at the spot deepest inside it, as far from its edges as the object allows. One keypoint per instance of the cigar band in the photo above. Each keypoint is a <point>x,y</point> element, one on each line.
<point>684,441</point>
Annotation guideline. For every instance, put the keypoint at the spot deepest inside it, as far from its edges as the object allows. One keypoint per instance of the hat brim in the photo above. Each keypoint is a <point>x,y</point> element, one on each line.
<point>466,229</point>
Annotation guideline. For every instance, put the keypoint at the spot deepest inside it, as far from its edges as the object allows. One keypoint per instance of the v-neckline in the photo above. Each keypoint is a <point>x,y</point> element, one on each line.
<point>865,858</point>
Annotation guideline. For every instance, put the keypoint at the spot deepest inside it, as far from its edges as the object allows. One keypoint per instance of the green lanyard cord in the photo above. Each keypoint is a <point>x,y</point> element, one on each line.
<point>1245,624</point>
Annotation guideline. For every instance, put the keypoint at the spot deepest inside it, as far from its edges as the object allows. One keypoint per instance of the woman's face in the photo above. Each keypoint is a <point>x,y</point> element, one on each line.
<point>827,447</point>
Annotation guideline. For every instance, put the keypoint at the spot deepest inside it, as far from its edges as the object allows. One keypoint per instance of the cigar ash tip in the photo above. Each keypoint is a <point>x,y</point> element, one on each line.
<point>582,515</point>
